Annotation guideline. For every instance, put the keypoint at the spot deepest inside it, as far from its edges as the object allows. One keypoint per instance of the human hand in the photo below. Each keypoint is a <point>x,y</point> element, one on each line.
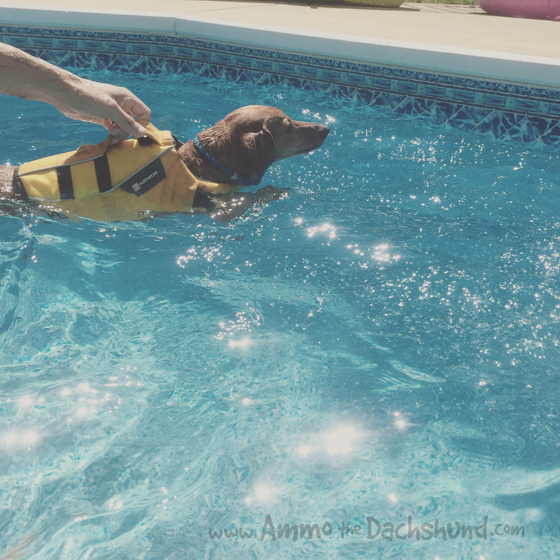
<point>110,106</point>
<point>113,107</point>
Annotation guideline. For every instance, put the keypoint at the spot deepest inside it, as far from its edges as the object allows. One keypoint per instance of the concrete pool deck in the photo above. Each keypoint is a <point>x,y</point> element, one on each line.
<point>451,26</point>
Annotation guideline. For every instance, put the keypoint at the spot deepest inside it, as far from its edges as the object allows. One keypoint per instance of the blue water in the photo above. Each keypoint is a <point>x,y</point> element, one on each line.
<point>382,343</point>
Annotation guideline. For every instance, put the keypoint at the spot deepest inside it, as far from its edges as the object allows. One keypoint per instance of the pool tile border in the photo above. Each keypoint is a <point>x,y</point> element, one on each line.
<point>499,110</point>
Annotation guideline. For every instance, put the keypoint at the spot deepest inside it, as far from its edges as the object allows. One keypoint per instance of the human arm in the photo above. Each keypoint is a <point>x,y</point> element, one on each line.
<point>22,75</point>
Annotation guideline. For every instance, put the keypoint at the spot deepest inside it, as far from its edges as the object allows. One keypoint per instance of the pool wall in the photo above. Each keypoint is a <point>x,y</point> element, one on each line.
<point>465,89</point>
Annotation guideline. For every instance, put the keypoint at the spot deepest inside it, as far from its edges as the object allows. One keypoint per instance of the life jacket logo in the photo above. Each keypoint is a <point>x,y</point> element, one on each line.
<point>142,181</point>
<point>137,186</point>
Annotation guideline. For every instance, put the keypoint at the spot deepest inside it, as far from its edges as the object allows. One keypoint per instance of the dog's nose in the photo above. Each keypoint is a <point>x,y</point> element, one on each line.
<point>322,130</point>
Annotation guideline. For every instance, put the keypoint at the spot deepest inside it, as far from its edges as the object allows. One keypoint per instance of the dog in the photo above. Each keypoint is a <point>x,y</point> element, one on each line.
<point>101,182</point>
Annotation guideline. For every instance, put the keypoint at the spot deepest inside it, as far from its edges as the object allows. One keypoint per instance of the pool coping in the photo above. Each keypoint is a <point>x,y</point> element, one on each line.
<point>487,65</point>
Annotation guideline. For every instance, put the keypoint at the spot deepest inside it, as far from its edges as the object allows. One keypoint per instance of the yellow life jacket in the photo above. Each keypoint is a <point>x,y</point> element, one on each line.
<point>134,177</point>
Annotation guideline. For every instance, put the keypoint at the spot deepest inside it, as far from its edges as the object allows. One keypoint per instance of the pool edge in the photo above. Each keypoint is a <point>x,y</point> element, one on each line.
<point>488,65</point>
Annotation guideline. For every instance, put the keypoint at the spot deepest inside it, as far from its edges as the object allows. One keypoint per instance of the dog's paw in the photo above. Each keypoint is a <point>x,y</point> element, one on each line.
<point>269,193</point>
<point>233,207</point>
<point>237,205</point>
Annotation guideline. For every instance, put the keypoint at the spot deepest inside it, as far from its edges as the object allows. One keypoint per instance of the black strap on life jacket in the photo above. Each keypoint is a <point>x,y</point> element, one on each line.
<point>17,187</point>
<point>139,183</point>
<point>65,184</point>
<point>103,174</point>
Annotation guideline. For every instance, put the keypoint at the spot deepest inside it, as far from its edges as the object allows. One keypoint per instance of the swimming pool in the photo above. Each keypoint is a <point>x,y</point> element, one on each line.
<point>381,344</point>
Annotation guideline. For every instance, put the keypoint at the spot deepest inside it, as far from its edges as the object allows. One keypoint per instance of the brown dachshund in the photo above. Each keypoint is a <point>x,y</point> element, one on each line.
<point>206,175</point>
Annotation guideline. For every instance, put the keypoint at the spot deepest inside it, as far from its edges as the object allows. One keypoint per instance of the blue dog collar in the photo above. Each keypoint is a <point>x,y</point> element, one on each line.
<point>233,175</point>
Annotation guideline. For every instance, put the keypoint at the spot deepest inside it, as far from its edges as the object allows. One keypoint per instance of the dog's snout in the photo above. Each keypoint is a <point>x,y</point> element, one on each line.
<point>322,130</point>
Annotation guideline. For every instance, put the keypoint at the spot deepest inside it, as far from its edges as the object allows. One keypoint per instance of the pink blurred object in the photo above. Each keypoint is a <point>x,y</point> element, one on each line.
<point>534,9</point>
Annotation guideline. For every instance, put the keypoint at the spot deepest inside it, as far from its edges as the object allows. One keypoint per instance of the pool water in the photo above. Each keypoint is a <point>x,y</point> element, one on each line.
<point>382,344</point>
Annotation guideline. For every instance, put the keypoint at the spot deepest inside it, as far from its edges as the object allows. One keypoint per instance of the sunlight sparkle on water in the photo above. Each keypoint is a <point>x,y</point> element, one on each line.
<point>263,492</point>
<point>25,439</point>
<point>115,504</point>
<point>340,441</point>
<point>242,343</point>
<point>323,228</point>
<point>304,450</point>
<point>29,438</point>
<point>381,253</point>
<point>401,423</point>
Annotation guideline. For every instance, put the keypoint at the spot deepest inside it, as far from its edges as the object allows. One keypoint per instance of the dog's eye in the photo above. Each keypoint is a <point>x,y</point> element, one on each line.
<point>289,126</point>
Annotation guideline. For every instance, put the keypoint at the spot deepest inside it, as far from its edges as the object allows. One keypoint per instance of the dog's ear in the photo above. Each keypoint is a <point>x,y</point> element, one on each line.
<point>257,153</point>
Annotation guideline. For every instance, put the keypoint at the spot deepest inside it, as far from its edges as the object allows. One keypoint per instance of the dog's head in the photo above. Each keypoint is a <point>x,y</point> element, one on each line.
<point>252,138</point>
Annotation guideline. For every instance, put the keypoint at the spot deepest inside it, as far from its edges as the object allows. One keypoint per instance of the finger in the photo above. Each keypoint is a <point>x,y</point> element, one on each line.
<point>131,105</point>
<point>113,129</point>
<point>127,123</point>
<point>138,109</point>
<point>118,135</point>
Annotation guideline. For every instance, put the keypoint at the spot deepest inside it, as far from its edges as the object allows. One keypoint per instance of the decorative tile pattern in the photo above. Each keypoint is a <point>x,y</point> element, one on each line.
<point>498,110</point>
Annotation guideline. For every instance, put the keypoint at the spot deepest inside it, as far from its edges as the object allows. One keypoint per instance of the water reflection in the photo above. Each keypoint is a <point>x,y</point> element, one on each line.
<point>339,441</point>
<point>263,492</point>
<point>342,440</point>
<point>400,422</point>
<point>242,343</point>
<point>326,228</point>
<point>27,439</point>
<point>304,450</point>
